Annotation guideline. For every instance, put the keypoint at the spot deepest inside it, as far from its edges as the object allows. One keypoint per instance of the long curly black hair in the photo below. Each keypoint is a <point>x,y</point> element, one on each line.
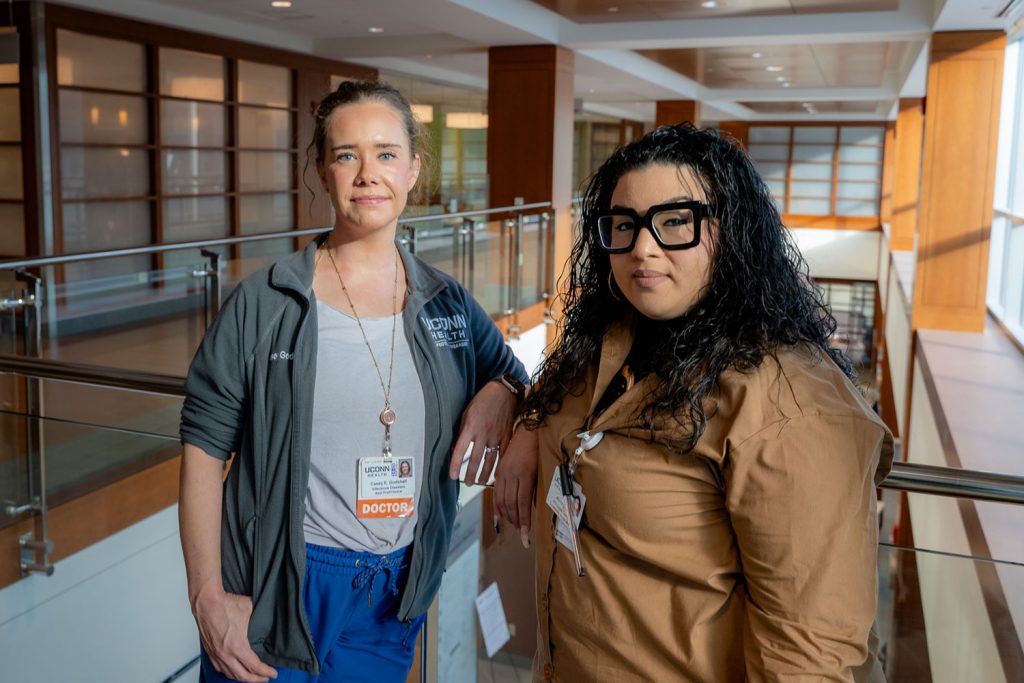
<point>759,298</point>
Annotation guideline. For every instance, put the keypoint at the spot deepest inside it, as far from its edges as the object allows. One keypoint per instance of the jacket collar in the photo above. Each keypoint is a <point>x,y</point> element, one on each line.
<point>295,272</point>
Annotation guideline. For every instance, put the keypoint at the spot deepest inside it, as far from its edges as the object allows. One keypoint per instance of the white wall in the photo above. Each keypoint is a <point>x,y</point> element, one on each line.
<point>116,612</point>
<point>847,254</point>
<point>961,643</point>
<point>529,348</point>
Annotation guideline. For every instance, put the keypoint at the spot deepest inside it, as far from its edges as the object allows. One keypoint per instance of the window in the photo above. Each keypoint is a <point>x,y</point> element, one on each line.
<point>821,170</point>
<point>1006,260</point>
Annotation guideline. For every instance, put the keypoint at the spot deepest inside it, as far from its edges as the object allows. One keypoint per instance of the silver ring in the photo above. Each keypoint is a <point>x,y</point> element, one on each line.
<point>488,449</point>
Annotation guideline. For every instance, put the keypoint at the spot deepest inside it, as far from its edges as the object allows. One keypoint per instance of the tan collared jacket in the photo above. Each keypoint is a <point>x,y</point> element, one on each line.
<point>754,557</point>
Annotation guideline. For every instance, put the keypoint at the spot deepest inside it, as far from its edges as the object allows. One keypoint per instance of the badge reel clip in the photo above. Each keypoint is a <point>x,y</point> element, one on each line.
<point>567,476</point>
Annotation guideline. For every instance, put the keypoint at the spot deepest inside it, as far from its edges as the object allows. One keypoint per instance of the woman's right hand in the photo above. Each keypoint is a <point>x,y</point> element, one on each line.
<point>515,482</point>
<point>223,621</point>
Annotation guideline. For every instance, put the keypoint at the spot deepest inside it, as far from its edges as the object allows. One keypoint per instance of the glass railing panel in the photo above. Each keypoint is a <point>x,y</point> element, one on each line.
<point>80,457</point>
<point>149,320</point>
<point>110,407</point>
<point>533,271</point>
<point>949,617</point>
<point>491,272</point>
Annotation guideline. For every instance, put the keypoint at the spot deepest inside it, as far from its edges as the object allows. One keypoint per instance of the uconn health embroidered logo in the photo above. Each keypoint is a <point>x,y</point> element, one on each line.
<point>448,331</point>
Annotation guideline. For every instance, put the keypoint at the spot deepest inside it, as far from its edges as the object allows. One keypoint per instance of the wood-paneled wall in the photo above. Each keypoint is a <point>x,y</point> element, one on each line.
<point>671,112</point>
<point>961,129</point>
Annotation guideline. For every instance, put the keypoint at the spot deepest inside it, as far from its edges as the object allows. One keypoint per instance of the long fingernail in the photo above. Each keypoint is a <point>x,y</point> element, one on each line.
<point>524,536</point>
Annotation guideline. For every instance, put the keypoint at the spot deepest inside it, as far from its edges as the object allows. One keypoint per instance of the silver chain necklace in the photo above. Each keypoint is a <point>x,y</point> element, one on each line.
<point>388,416</point>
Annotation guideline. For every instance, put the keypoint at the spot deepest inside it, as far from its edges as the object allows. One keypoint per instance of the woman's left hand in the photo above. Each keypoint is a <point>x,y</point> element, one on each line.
<point>487,426</point>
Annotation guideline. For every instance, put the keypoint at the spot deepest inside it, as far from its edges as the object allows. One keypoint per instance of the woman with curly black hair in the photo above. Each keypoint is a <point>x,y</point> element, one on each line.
<point>706,468</point>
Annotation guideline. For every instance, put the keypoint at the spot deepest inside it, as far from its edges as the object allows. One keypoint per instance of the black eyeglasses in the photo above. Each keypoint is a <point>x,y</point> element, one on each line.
<point>674,226</point>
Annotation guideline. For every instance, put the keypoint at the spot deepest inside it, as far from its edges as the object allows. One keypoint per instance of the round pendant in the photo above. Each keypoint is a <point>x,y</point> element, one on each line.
<point>388,416</point>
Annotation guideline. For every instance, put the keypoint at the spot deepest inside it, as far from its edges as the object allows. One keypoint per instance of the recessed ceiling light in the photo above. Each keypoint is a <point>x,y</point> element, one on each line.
<point>281,4</point>
<point>709,4</point>
<point>757,55</point>
<point>613,8</point>
<point>786,84</point>
<point>773,68</point>
<point>780,79</point>
<point>376,29</point>
<point>591,91</point>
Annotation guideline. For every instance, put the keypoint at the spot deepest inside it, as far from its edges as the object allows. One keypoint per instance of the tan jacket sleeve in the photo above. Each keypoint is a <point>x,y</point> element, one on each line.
<point>801,498</point>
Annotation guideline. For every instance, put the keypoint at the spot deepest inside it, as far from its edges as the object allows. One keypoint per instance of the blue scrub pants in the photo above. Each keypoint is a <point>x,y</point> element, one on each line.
<point>351,601</point>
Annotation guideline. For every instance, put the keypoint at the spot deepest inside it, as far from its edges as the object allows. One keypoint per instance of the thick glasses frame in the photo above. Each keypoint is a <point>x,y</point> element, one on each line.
<point>700,211</point>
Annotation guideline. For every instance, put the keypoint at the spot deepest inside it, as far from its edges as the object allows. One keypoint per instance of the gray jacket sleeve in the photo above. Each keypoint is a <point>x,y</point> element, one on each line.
<point>213,413</point>
<point>493,356</point>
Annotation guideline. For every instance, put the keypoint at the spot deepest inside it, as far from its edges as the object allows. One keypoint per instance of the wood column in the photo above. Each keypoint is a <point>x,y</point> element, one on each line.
<point>530,133</point>
<point>671,112</point>
<point>906,177</point>
<point>738,130</point>
<point>529,155</point>
<point>961,128</point>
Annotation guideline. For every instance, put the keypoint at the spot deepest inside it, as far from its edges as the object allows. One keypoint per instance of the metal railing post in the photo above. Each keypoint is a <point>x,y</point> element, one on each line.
<point>210,276</point>
<point>516,281</point>
<point>34,546</point>
<point>468,236</point>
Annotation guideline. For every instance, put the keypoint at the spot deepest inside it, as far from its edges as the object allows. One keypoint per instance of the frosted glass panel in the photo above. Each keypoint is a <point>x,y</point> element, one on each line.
<point>264,84</point>
<point>780,204</point>
<point>95,226</point>
<point>813,153</point>
<point>91,61</point>
<point>806,189</point>
<point>10,115</point>
<point>858,190</point>
<point>9,73</point>
<point>269,128</point>
<point>258,171</point>
<point>195,218</point>
<point>193,124</point>
<point>768,134</point>
<point>104,172</point>
<point>95,117</point>
<point>266,213</point>
<point>810,207</point>
<point>777,188</point>
<point>858,135</point>
<point>190,171</point>
<point>856,207</point>
<point>812,171</point>
<point>12,230</point>
<point>825,134</point>
<point>770,169</point>
<point>191,74</point>
<point>860,154</point>
<point>10,173</point>
<point>769,152</point>
<point>859,172</point>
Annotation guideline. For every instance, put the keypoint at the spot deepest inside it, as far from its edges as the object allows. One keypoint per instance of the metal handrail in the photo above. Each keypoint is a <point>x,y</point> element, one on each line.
<point>1012,217</point>
<point>904,476</point>
<point>222,241</point>
<point>96,375</point>
<point>958,483</point>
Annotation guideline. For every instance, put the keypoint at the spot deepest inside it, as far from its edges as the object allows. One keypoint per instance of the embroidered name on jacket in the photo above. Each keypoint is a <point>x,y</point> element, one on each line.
<point>448,332</point>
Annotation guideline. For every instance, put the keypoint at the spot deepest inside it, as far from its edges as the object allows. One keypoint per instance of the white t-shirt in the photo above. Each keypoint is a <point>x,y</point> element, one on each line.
<point>347,401</point>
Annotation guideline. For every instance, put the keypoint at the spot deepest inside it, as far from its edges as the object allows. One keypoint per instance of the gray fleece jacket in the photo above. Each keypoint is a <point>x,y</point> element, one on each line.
<point>250,392</point>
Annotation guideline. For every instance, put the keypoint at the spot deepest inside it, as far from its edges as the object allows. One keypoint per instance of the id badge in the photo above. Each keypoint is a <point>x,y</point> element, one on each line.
<point>387,487</point>
<point>555,502</point>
